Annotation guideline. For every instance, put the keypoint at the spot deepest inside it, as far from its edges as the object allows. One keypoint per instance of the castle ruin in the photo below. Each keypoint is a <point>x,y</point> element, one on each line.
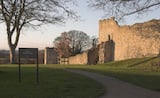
<point>136,41</point>
<point>119,43</point>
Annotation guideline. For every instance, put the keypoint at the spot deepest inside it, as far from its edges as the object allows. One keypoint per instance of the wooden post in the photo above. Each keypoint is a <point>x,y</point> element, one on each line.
<point>19,68</point>
<point>37,72</point>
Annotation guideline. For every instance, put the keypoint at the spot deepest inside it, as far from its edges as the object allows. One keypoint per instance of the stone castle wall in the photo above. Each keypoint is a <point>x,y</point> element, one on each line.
<point>106,51</point>
<point>116,43</point>
<point>93,56</point>
<point>79,58</point>
<point>138,40</point>
<point>87,57</point>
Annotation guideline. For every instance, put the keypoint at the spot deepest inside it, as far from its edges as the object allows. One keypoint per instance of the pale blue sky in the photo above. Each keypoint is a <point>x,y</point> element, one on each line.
<point>44,36</point>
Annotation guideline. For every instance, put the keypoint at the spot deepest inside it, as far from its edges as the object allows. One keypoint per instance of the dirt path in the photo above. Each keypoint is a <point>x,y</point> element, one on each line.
<point>118,89</point>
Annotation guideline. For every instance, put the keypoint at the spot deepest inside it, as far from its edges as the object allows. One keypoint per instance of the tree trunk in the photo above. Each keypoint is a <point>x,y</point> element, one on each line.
<point>12,54</point>
<point>12,46</point>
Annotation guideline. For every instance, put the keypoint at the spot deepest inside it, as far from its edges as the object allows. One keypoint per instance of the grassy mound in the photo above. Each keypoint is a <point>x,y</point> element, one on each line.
<point>138,71</point>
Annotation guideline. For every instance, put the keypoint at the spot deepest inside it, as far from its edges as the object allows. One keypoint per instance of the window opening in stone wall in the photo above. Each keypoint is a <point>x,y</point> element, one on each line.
<point>109,37</point>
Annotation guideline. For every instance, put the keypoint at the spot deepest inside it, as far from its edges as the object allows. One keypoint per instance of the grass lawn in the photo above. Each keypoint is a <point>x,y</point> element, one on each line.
<point>135,71</point>
<point>54,83</point>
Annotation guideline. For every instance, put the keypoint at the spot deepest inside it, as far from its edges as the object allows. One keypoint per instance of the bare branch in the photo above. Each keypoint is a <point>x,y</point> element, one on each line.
<point>121,8</point>
<point>17,14</point>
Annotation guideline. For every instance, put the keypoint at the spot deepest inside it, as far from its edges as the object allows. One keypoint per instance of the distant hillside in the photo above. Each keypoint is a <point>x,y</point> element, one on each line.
<point>4,57</point>
<point>4,54</point>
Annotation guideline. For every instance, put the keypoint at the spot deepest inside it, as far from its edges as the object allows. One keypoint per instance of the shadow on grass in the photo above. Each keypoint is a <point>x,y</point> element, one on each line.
<point>141,62</point>
<point>54,83</point>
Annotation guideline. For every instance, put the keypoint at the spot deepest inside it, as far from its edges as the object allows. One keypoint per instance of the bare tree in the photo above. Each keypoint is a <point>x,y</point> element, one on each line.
<point>17,14</point>
<point>62,45</point>
<point>77,41</point>
<point>121,8</point>
<point>94,41</point>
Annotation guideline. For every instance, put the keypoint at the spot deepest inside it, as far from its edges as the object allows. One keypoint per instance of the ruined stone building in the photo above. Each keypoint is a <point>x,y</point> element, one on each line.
<point>118,43</point>
<point>50,56</point>
<point>136,41</point>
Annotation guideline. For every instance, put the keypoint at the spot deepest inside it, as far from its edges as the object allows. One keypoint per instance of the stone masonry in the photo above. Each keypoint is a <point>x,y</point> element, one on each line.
<point>50,56</point>
<point>106,51</point>
<point>117,43</point>
<point>87,57</point>
<point>136,41</point>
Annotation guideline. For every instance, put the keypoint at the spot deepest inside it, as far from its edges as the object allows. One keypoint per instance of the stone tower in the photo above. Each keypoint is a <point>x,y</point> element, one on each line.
<point>136,41</point>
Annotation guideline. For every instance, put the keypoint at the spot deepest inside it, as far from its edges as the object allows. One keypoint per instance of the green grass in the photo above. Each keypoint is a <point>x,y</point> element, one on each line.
<point>136,71</point>
<point>54,83</point>
<point>57,83</point>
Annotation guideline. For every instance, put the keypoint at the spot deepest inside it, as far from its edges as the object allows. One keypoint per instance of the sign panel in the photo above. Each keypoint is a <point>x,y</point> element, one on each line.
<point>28,52</point>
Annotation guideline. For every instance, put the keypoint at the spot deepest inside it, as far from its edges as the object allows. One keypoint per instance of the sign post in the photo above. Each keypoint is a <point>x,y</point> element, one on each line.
<point>28,53</point>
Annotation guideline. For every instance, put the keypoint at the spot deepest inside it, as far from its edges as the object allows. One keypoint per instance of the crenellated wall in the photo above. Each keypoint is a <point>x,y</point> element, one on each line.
<point>138,40</point>
<point>117,43</point>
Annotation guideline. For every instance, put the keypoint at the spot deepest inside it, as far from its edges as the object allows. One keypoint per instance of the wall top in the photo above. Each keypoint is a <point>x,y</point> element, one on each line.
<point>109,21</point>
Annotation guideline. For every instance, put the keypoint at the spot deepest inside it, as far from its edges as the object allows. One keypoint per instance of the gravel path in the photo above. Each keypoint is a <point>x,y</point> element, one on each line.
<point>116,88</point>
